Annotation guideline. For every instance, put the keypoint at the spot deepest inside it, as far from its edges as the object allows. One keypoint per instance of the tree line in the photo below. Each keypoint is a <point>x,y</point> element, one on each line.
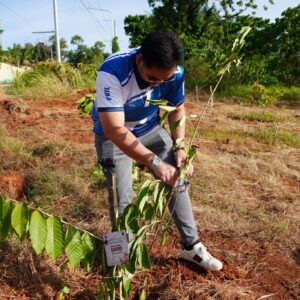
<point>208,28</point>
<point>32,53</point>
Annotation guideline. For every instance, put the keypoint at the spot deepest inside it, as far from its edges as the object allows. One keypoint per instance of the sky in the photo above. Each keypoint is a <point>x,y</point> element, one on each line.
<point>19,18</point>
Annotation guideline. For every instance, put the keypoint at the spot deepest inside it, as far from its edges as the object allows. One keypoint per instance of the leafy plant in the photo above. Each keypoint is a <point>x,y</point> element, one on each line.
<point>85,103</point>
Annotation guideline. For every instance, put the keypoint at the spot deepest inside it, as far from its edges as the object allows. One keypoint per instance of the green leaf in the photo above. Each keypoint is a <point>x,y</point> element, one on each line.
<point>5,218</point>
<point>148,211</point>
<point>19,218</point>
<point>70,234</point>
<point>131,218</point>
<point>87,243</point>
<point>88,248</point>
<point>88,260</point>
<point>143,295</point>
<point>178,123</point>
<point>135,242</point>
<point>158,102</point>
<point>163,118</point>
<point>74,250</point>
<point>191,154</point>
<point>143,257</point>
<point>130,266</point>
<point>126,286</point>
<point>159,199</point>
<point>168,108</point>
<point>80,100</point>
<point>143,193</point>
<point>55,240</point>
<point>38,231</point>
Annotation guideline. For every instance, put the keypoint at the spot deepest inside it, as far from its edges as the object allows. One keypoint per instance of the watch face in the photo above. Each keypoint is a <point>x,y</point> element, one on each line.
<point>156,161</point>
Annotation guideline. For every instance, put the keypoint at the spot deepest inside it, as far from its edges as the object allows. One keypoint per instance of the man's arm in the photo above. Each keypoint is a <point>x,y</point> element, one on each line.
<point>113,126</point>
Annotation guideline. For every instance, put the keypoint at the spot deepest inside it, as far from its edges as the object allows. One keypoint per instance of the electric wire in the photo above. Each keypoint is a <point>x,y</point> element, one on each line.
<point>100,27</point>
<point>19,16</point>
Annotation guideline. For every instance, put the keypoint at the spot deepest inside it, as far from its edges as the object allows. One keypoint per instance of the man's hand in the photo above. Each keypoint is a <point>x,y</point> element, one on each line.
<point>180,157</point>
<point>167,173</point>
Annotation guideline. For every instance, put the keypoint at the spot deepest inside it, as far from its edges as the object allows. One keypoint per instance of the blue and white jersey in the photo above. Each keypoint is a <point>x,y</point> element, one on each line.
<point>119,87</point>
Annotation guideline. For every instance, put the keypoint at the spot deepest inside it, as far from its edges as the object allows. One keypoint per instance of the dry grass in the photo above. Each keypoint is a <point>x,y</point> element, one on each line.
<point>245,194</point>
<point>246,185</point>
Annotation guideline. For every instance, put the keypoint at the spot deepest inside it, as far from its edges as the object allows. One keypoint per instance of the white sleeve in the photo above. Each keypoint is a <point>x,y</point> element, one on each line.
<point>109,95</point>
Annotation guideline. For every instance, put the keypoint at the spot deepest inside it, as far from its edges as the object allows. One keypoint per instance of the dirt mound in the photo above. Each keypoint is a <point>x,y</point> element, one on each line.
<point>12,105</point>
<point>12,185</point>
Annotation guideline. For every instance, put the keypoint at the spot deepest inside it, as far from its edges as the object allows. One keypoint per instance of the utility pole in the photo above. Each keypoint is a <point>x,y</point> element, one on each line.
<point>58,56</point>
<point>1,30</point>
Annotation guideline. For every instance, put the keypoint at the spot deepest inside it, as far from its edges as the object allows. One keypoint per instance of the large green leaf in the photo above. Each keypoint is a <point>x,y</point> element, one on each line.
<point>74,250</point>
<point>38,231</point>
<point>5,217</point>
<point>55,237</point>
<point>143,257</point>
<point>19,218</point>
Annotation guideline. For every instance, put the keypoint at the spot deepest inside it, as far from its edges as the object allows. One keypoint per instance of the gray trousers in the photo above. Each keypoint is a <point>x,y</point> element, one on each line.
<point>113,160</point>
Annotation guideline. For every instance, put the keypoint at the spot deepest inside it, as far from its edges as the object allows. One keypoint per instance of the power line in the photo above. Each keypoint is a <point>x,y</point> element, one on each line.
<point>19,16</point>
<point>97,22</point>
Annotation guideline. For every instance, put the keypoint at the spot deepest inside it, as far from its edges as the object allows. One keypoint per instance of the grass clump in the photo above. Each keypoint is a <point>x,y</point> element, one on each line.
<point>259,94</point>
<point>273,137</point>
<point>13,153</point>
<point>268,136</point>
<point>263,116</point>
<point>52,79</point>
<point>291,94</point>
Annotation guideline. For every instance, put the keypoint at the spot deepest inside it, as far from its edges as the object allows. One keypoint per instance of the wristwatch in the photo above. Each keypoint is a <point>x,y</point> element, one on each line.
<point>155,162</point>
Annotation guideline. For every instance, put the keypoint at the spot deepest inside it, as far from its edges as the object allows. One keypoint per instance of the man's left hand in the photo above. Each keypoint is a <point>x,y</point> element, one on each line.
<point>180,157</point>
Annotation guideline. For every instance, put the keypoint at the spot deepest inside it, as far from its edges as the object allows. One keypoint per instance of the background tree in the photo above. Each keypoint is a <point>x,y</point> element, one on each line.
<point>115,45</point>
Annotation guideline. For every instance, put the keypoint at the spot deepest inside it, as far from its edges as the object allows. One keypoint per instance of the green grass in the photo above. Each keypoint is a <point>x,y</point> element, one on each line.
<point>268,136</point>
<point>263,116</point>
<point>259,94</point>
<point>274,137</point>
<point>291,94</point>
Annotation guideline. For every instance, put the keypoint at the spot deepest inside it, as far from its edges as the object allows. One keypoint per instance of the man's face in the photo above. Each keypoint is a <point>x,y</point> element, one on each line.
<point>154,76</point>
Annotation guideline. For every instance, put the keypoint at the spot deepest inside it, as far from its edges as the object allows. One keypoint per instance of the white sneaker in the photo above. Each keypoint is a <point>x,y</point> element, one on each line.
<point>200,256</point>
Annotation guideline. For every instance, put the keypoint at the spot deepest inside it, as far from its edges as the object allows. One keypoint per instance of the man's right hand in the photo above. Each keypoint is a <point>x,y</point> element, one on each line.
<point>167,173</point>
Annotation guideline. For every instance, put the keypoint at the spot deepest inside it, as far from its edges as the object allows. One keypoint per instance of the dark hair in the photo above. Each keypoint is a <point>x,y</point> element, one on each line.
<point>162,49</point>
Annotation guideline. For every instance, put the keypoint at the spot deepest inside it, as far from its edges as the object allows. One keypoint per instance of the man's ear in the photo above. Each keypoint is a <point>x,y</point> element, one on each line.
<point>138,59</point>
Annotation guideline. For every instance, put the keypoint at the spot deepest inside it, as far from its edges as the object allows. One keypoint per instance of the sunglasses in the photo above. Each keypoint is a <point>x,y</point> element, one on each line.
<point>152,79</point>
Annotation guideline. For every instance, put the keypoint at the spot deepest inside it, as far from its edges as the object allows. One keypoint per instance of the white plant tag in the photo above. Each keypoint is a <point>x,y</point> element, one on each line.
<point>116,248</point>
